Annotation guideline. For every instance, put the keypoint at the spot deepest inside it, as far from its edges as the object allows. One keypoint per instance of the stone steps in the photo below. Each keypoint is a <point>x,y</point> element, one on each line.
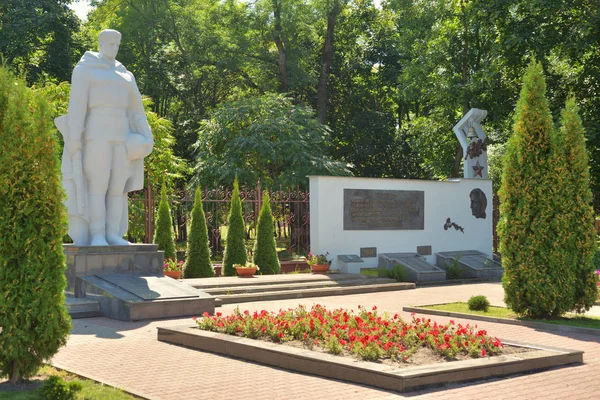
<point>245,290</point>
<point>82,308</point>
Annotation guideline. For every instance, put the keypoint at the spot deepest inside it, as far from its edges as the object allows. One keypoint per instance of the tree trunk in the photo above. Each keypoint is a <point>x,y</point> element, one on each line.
<point>322,93</point>
<point>283,78</point>
<point>14,375</point>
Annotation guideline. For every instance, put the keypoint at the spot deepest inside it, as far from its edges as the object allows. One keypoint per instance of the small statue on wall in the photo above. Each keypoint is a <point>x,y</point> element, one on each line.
<point>473,141</point>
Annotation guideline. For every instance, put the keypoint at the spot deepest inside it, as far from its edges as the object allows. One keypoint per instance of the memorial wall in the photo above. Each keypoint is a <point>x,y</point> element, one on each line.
<point>368,216</point>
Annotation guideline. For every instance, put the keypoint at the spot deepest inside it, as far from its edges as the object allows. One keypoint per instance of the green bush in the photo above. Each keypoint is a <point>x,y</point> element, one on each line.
<point>55,388</point>
<point>576,212</point>
<point>478,303</point>
<point>454,270</point>
<point>34,323</point>
<point>398,272</point>
<point>197,262</point>
<point>235,248</point>
<point>163,236</point>
<point>539,274</point>
<point>265,249</point>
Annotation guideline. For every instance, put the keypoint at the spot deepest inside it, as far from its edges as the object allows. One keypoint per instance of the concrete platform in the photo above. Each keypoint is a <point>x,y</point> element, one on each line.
<point>137,297</point>
<point>470,264</point>
<point>416,267</point>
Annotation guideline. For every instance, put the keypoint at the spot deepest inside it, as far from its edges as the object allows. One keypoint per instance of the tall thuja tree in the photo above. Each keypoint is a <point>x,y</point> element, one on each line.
<point>539,278</point>
<point>579,237</point>
<point>197,262</point>
<point>235,249</point>
<point>33,321</point>
<point>163,236</point>
<point>265,249</point>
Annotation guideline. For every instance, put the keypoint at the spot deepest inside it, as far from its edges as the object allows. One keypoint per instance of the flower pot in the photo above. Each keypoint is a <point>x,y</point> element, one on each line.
<point>246,272</point>
<point>173,274</point>
<point>319,268</point>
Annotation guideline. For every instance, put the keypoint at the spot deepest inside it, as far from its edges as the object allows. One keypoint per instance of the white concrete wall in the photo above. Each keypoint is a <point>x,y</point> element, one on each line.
<point>443,200</point>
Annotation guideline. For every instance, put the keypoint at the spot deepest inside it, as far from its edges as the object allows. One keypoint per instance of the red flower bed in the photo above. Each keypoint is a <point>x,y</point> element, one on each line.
<point>366,334</point>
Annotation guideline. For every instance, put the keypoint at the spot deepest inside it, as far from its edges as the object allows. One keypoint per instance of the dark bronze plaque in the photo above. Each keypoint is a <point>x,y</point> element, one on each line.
<point>368,252</point>
<point>374,210</point>
<point>424,250</point>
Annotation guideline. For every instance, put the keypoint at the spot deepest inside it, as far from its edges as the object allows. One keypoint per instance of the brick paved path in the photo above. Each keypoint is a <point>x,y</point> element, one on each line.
<point>127,355</point>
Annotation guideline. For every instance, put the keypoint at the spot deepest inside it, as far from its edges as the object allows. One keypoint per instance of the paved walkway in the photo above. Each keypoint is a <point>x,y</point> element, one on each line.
<point>127,355</point>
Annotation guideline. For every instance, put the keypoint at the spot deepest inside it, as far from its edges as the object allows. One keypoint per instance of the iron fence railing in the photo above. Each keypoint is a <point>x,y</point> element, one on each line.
<point>290,214</point>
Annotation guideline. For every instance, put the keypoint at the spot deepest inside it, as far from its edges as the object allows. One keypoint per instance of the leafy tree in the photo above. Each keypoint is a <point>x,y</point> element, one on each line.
<point>39,37</point>
<point>265,248</point>
<point>163,236</point>
<point>579,237</point>
<point>33,222</point>
<point>267,138</point>
<point>235,249</point>
<point>197,262</point>
<point>539,277</point>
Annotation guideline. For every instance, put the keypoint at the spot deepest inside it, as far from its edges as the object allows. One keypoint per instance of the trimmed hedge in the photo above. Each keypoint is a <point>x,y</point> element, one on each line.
<point>164,236</point>
<point>546,226</point>
<point>265,248</point>
<point>33,320</point>
<point>235,250</point>
<point>197,262</point>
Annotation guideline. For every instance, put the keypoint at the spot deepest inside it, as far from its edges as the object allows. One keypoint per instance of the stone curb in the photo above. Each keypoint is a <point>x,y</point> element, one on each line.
<point>367,373</point>
<point>530,324</point>
<point>133,393</point>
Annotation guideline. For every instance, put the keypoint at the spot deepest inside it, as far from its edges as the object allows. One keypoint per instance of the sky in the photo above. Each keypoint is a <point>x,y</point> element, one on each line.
<point>81,8</point>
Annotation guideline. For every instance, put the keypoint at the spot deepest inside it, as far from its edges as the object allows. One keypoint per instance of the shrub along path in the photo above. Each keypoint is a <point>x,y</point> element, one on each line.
<point>127,355</point>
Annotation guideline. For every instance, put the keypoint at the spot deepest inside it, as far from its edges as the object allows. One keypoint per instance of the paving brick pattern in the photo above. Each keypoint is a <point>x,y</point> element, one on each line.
<point>128,356</point>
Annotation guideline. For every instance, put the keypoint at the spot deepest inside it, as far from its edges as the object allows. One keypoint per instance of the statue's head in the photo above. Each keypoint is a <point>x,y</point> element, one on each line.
<point>109,41</point>
<point>478,203</point>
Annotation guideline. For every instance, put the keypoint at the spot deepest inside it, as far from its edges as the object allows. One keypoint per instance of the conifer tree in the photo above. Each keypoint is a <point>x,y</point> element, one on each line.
<point>265,249</point>
<point>579,237</point>
<point>163,236</point>
<point>235,249</point>
<point>539,280</point>
<point>33,321</point>
<point>197,262</point>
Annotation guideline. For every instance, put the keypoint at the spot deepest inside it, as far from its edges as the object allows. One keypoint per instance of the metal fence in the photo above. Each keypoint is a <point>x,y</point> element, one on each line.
<point>290,214</point>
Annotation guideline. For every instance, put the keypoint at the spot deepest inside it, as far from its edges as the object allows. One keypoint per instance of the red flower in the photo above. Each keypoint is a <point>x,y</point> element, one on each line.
<point>194,317</point>
<point>483,352</point>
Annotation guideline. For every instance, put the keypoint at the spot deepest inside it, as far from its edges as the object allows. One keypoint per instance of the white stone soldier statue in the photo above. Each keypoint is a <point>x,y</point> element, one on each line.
<point>106,136</point>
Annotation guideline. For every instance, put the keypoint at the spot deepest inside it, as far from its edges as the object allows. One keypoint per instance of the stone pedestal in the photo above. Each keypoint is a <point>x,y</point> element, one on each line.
<point>139,259</point>
<point>128,284</point>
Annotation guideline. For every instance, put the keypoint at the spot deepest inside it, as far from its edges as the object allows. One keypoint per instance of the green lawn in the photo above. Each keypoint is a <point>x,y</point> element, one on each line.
<point>502,312</point>
<point>90,390</point>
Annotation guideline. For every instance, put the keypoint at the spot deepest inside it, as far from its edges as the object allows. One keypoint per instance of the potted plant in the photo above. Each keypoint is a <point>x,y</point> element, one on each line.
<point>173,268</point>
<point>247,270</point>
<point>319,264</point>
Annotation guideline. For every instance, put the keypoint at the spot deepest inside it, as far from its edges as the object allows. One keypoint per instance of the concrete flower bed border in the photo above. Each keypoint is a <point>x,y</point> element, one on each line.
<point>369,373</point>
<point>530,324</point>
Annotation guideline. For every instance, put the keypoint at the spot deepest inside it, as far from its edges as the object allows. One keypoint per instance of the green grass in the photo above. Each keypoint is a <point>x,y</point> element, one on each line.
<point>502,312</point>
<point>91,389</point>
<point>371,272</point>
